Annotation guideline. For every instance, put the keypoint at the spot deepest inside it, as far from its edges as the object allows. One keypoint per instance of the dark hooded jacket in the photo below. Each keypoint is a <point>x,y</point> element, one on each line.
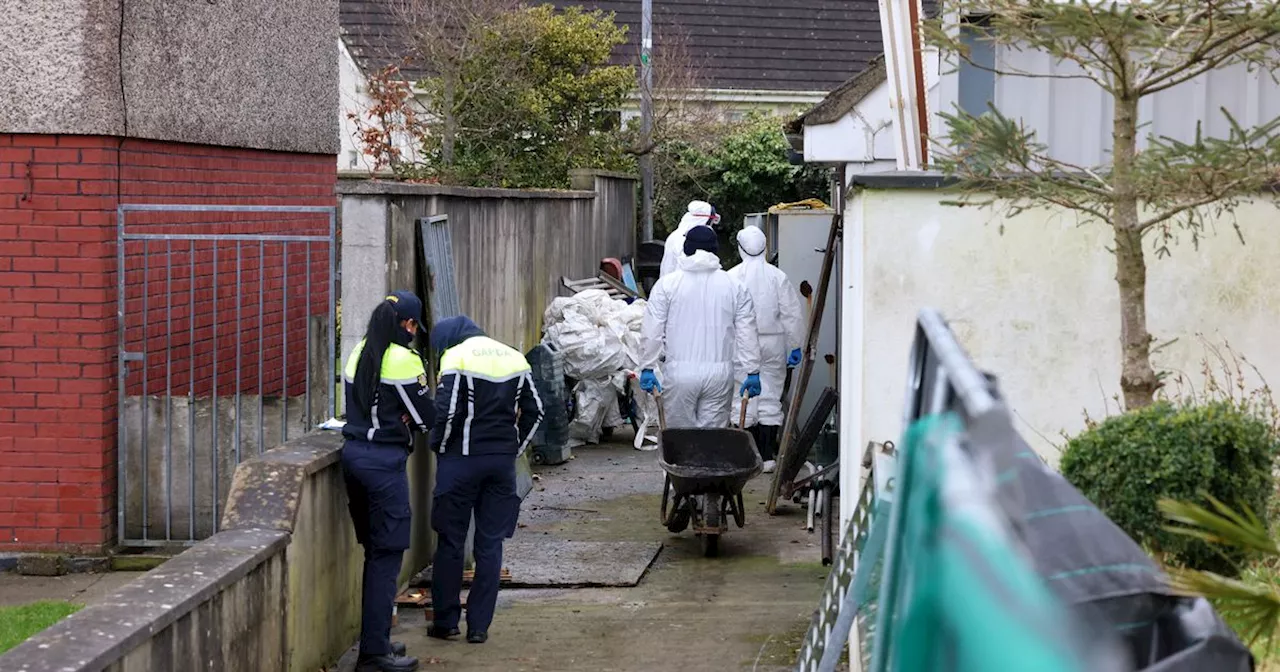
<point>486,403</point>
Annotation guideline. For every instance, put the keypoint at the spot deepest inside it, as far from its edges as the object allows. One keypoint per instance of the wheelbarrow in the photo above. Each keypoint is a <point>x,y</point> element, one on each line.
<point>706,470</point>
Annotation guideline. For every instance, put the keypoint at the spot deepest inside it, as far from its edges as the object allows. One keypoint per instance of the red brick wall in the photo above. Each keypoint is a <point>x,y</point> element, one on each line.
<point>58,328</point>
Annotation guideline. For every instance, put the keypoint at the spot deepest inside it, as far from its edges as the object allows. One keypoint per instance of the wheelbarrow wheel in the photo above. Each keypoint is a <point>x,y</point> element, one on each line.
<point>680,516</point>
<point>710,545</point>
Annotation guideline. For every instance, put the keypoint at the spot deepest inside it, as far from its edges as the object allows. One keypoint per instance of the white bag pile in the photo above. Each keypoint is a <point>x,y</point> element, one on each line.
<point>599,338</point>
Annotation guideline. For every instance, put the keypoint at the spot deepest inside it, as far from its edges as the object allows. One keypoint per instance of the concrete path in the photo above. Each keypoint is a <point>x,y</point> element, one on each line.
<point>746,610</point>
<point>79,588</point>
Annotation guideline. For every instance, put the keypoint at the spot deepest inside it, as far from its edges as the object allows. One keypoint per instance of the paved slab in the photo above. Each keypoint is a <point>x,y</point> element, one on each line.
<point>79,588</point>
<point>551,563</point>
<point>745,610</point>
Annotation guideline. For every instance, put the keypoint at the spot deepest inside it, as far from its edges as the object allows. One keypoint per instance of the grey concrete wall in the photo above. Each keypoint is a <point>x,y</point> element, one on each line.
<point>324,573</point>
<point>252,73</point>
<point>218,606</point>
<point>177,449</point>
<point>278,590</point>
<point>364,265</point>
<point>180,481</point>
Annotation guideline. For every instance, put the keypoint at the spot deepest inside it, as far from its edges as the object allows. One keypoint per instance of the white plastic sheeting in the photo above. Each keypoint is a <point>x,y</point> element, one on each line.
<point>599,338</point>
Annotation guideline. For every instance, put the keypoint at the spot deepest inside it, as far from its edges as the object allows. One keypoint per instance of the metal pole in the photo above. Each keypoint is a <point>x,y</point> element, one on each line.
<point>168,390</point>
<point>331,381</point>
<point>191,388</point>
<point>239,340</point>
<point>122,371</point>
<point>146,336</point>
<point>646,114</point>
<point>262,344</point>
<point>213,396</point>
<point>284,344</point>
<point>307,311</point>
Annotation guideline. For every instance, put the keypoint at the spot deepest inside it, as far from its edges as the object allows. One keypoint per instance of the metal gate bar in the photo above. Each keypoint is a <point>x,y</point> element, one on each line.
<point>146,456</point>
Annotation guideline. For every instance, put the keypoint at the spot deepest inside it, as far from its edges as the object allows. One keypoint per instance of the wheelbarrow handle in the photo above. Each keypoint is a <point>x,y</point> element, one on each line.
<point>742,415</point>
<point>662,414</point>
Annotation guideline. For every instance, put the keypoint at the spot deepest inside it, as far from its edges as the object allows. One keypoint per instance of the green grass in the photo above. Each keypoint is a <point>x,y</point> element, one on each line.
<point>20,622</point>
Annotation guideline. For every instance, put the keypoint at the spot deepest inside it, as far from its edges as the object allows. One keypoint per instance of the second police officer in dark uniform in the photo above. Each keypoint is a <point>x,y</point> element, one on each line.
<point>387,399</point>
<point>487,409</point>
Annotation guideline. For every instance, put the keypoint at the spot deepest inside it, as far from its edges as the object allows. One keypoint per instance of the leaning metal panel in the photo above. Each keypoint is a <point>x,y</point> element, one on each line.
<point>442,288</point>
<point>195,384</point>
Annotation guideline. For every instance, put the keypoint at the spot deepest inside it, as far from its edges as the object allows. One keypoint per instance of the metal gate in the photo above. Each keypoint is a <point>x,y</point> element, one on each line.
<point>226,350</point>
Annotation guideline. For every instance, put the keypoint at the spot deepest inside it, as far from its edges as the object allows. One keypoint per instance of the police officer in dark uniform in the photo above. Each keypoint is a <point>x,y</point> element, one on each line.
<point>387,399</point>
<point>487,409</point>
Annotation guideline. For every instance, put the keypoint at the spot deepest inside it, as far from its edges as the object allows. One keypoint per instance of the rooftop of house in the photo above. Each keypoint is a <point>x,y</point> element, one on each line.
<point>742,45</point>
<point>846,97</point>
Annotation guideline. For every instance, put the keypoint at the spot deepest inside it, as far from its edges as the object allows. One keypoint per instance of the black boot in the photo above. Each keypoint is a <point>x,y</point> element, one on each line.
<point>398,649</point>
<point>477,637</point>
<point>769,445</point>
<point>438,632</point>
<point>387,663</point>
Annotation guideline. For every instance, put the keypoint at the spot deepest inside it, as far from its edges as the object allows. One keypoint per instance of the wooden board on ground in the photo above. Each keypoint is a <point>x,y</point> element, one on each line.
<point>420,598</point>
<point>423,579</point>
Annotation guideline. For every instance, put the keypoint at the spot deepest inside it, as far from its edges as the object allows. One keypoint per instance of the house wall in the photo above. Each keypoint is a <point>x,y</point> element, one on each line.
<point>58,291</point>
<point>354,100</point>
<point>242,74</point>
<point>1073,116</point>
<point>1037,305</point>
<point>736,105</point>
<point>109,103</point>
<point>864,136</point>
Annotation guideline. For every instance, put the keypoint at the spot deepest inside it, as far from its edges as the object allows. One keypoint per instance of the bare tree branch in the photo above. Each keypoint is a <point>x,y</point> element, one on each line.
<point>1192,205</point>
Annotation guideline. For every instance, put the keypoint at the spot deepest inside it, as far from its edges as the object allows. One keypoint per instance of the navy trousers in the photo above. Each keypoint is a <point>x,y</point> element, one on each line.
<point>378,495</point>
<point>485,485</point>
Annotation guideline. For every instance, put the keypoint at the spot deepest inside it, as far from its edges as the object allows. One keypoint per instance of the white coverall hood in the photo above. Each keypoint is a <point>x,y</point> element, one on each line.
<point>751,241</point>
<point>698,212</point>
<point>702,320</point>
<point>779,321</point>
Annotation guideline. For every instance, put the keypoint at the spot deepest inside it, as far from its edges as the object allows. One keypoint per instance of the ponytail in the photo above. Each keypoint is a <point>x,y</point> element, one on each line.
<point>383,325</point>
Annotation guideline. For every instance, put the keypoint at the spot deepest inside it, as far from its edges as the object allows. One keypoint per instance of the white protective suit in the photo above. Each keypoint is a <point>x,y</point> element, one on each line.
<point>699,213</point>
<point>779,321</point>
<point>703,321</point>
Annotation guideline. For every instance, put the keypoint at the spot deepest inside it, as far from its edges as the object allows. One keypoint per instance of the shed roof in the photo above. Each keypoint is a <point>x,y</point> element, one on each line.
<point>744,45</point>
<point>841,101</point>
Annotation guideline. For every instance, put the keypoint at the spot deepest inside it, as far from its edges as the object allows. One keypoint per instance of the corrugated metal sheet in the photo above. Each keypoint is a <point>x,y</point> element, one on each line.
<point>1073,116</point>
<point>437,249</point>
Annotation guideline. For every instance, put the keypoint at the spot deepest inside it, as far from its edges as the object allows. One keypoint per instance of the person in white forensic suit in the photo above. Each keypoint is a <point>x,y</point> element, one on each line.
<point>703,321</point>
<point>699,213</point>
<point>780,324</point>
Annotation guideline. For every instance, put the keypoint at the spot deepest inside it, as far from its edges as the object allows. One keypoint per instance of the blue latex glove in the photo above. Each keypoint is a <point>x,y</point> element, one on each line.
<point>751,386</point>
<point>793,359</point>
<point>649,382</point>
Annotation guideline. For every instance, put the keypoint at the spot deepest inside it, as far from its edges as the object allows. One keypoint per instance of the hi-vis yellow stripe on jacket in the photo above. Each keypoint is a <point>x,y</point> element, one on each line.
<point>402,391</point>
<point>487,403</point>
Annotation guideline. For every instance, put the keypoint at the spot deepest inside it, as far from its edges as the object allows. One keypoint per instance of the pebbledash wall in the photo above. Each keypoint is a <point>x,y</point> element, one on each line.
<point>134,102</point>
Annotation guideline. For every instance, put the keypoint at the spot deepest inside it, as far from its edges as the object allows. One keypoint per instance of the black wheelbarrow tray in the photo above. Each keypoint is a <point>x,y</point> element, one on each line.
<point>706,470</point>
